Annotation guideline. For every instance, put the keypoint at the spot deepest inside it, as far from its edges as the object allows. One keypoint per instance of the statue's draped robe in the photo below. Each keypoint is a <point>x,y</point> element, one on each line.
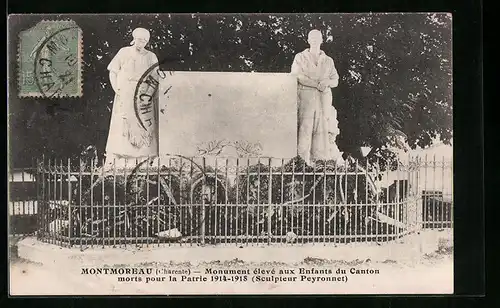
<point>127,139</point>
<point>317,118</point>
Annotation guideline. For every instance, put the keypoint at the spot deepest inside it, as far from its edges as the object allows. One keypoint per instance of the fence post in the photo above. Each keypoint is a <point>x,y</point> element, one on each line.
<point>452,219</point>
<point>91,202</point>
<point>256,219</point>
<point>269,201</point>
<point>397,206</point>
<point>345,196</point>
<point>237,207</point>
<point>248,202</point>
<point>49,190</point>
<point>61,198</point>
<point>147,202</point>
<point>434,210</point>
<point>377,200</point>
<point>41,205</point>
<point>126,197</point>
<point>103,180</point>
<point>80,214</point>
<point>226,209</point>
<point>364,208</point>
<point>203,203</point>
<point>408,193</point>
<point>443,206</point>
<point>353,233</point>
<point>22,209</point>
<point>114,202</point>
<point>302,232</point>
<point>213,204</point>
<point>324,202</point>
<point>418,205</point>
<point>70,223</point>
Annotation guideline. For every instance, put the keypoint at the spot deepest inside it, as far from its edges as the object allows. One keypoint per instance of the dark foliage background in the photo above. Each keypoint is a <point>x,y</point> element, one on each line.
<point>395,73</point>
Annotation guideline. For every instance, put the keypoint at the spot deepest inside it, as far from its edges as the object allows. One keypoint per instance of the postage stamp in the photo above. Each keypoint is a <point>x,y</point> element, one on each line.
<point>50,60</point>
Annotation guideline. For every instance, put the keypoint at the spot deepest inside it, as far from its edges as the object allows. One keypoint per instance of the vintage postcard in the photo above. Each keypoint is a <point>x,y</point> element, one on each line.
<point>211,154</point>
<point>50,60</point>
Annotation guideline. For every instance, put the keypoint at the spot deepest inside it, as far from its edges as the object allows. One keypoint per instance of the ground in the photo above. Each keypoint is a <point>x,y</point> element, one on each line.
<point>427,273</point>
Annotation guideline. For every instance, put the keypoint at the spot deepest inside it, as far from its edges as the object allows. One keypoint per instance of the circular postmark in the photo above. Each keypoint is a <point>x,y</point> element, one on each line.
<point>146,95</point>
<point>56,67</point>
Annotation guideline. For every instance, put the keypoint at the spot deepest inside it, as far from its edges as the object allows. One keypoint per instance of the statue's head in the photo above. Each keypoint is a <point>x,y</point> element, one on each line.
<point>141,38</point>
<point>315,38</point>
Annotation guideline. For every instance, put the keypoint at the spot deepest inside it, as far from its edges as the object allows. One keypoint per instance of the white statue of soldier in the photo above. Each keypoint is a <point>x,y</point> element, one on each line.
<point>317,118</point>
<point>126,138</point>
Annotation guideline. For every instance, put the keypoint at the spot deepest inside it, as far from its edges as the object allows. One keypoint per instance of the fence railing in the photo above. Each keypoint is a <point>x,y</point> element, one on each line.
<point>238,201</point>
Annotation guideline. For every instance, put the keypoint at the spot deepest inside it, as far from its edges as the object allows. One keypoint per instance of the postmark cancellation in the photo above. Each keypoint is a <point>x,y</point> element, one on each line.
<point>50,60</point>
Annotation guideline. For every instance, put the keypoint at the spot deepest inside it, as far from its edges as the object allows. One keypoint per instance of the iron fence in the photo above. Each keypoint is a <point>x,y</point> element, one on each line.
<point>238,201</point>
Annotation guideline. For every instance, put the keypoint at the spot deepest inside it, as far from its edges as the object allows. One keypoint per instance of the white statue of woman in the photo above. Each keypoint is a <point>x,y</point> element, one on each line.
<point>317,118</point>
<point>127,138</point>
